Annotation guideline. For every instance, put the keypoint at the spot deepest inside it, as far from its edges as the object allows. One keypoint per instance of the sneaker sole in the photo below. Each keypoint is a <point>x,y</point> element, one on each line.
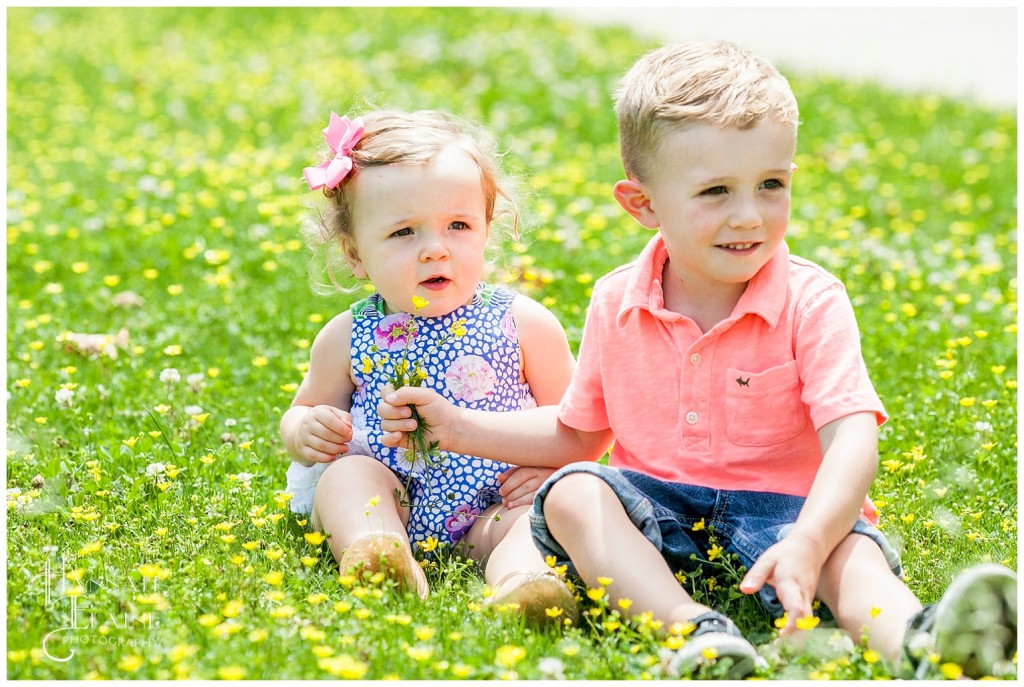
<point>975,622</point>
<point>691,656</point>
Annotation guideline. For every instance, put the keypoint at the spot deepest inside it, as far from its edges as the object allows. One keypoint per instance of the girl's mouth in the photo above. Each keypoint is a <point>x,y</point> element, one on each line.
<point>435,283</point>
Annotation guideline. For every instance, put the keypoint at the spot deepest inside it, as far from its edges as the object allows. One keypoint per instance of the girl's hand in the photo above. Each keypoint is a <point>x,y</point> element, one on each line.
<point>323,433</point>
<point>792,567</point>
<point>520,484</point>
<point>436,413</point>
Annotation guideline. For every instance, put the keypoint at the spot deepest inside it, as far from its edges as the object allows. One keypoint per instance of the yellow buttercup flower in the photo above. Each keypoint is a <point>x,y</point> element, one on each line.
<point>314,538</point>
<point>808,622</point>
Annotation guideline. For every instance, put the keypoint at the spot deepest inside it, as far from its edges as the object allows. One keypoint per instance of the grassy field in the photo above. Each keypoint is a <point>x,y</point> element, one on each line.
<point>154,198</point>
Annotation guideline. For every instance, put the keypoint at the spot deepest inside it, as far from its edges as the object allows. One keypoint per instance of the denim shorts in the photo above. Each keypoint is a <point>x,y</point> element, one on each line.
<point>744,523</point>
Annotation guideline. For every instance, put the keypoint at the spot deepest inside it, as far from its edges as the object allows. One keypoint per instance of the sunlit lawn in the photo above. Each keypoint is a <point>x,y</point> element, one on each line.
<point>154,196</point>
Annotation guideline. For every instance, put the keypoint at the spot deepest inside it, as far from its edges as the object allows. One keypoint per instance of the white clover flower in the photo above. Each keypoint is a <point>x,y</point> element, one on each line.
<point>244,477</point>
<point>154,470</point>
<point>18,500</point>
<point>195,380</point>
<point>148,184</point>
<point>551,668</point>
<point>920,644</point>
<point>193,410</point>
<point>170,376</point>
<point>982,427</point>
<point>64,396</point>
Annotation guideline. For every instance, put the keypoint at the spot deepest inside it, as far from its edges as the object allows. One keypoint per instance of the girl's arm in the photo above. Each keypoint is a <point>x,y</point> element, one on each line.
<point>547,361</point>
<point>317,426</point>
<point>848,467</point>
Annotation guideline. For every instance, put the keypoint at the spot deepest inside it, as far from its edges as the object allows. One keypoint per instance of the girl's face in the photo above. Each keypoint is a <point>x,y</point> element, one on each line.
<point>420,230</point>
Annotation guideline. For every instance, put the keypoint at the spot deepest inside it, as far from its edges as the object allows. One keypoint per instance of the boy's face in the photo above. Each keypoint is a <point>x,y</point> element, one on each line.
<point>720,197</point>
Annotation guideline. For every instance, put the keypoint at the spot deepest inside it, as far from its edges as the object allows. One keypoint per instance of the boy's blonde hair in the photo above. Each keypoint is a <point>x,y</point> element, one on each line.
<point>395,137</point>
<point>714,83</point>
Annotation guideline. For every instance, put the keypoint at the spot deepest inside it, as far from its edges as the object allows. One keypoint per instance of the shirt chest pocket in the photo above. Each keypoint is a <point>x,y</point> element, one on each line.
<point>764,408</point>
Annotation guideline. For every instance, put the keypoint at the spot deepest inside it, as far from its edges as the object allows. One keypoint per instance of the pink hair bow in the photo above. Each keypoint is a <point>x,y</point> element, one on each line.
<point>342,135</point>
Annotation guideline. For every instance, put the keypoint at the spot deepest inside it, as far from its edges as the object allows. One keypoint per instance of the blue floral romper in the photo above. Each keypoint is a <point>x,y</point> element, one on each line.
<point>479,370</point>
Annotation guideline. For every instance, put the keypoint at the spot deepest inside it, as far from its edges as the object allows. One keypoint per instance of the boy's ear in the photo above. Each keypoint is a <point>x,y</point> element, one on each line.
<point>632,196</point>
<point>352,258</point>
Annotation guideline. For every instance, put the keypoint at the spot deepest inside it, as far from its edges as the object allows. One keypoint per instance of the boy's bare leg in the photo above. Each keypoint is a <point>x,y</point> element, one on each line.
<point>862,593</point>
<point>587,519</point>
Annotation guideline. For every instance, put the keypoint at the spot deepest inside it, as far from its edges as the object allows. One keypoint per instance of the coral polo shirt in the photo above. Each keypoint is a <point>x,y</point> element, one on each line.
<point>737,407</point>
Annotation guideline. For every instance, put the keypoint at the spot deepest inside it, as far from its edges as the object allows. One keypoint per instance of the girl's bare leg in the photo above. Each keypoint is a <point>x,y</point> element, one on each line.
<point>514,568</point>
<point>863,595</point>
<point>586,517</point>
<point>500,540</point>
<point>360,532</point>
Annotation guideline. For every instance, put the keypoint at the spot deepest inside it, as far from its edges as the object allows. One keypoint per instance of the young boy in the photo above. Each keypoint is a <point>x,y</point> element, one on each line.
<point>730,376</point>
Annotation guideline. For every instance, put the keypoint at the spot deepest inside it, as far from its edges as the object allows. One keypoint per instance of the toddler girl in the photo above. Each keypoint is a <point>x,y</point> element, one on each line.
<point>410,203</point>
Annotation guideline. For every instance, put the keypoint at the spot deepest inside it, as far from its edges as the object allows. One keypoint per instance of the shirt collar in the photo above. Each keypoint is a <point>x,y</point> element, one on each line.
<point>765,295</point>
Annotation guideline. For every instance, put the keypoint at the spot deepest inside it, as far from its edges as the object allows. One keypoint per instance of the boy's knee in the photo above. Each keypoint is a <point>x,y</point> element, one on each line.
<point>569,501</point>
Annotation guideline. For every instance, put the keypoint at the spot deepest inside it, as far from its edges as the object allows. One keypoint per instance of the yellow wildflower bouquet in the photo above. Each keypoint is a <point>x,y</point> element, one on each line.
<point>394,339</point>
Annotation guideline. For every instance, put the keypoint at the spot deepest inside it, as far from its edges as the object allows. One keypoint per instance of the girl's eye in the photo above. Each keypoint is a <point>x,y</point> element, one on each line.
<point>404,231</point>
<point>773,184</point>
<point>458,226</point>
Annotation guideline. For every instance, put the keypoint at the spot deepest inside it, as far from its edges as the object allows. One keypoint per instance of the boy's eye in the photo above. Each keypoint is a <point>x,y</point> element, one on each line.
<point>404,231</point>
<point>714,191</point>
<point>773,184</point>
<point>458,226</point>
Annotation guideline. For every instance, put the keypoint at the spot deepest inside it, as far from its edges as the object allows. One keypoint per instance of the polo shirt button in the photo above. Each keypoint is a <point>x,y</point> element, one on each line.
<point>691,418</point>
<point>695,359</point>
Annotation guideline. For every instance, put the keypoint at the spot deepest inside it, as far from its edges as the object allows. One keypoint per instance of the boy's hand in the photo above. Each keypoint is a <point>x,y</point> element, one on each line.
<point>520,484</point>
<point>323,433</point>
<point>792,567</point>
<point>396,418</point>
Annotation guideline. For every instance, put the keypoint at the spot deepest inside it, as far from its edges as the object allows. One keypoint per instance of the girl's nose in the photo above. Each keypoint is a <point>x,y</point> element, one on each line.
<point>433,248</point>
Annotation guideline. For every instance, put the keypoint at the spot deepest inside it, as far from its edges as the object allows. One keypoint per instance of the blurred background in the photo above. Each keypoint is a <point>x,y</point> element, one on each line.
<point>958,51</point>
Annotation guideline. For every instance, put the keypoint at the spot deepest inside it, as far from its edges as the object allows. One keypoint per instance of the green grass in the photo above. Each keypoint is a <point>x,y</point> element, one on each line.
<point>159,152</point>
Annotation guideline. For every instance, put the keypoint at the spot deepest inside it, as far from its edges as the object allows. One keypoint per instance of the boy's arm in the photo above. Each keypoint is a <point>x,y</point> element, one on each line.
<point>848,467</point>
<point>547,364</point>
<point>524,437</point>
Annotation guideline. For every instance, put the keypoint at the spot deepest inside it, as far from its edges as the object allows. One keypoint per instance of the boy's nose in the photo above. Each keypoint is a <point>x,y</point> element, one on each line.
<point>745,215</point>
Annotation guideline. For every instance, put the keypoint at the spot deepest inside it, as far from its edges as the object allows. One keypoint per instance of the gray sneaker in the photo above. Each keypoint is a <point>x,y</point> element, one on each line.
<point>715,641</point>
<point>973,625</point>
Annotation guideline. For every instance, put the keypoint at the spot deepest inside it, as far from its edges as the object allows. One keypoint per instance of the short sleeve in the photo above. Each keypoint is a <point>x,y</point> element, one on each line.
<point>828,354</point>
<point>583,405</point>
